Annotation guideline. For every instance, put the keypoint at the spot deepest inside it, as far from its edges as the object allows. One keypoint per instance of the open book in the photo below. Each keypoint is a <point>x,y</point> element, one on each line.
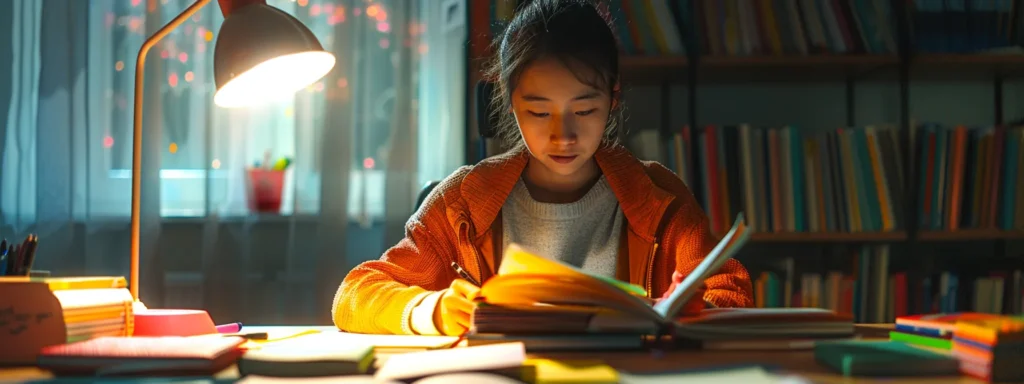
<point>533,294</point>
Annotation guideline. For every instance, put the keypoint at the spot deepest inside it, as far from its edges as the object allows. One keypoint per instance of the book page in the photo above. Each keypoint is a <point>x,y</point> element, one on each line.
<point>517,260</point>
<point>525,278</point>
<point>483,358</point>
<point>734,240</point>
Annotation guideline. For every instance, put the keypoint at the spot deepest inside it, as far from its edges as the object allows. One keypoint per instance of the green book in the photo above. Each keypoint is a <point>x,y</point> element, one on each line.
<point>924,341</point>
<point>883,358</point>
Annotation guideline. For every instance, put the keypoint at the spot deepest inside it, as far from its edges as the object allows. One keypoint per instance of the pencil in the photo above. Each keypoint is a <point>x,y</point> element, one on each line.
<point>30,253</point>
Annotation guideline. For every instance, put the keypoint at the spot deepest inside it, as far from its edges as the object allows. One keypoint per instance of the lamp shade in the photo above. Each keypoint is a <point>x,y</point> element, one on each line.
<point>263,54</point>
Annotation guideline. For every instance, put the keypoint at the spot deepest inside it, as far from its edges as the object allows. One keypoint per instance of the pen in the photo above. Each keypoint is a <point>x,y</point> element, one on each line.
<point>229,328</point>
<point>464,274</point>
<point>250,335</point>
<point>3,257</point>
<point>12,260</point>
<point>30,253</point>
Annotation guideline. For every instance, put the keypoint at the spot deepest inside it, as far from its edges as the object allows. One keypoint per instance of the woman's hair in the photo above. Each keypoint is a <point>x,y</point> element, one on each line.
<point>573,32</point>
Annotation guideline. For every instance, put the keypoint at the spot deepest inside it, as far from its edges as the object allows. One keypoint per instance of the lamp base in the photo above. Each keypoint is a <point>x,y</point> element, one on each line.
<point>171,322</point>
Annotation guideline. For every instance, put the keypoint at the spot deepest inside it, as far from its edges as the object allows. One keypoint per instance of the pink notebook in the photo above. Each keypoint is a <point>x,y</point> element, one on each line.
<point>169,355</point>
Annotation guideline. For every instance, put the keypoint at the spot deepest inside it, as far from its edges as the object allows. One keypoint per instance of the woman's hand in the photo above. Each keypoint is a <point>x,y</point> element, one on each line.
<point>453,311</point>
<point>696,303</point>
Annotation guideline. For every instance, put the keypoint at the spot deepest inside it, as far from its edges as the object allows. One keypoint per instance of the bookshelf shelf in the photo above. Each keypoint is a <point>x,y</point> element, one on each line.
<point>822,237</point>
<point>653,69</point>
<point>1009,65</point>
<point>970,234</point>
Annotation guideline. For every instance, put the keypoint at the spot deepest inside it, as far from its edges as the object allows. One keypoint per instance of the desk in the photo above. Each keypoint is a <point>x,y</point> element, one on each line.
<point>791,362</point>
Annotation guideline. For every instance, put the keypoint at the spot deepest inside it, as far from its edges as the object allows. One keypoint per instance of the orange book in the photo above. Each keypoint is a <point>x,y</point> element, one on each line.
<point>955,186</point>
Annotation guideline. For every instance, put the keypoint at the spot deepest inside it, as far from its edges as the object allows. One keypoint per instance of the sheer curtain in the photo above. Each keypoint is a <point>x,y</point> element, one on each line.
<point>362,141</point>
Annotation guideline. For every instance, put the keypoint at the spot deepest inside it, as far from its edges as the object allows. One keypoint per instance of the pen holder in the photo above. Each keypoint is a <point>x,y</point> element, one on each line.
<point>264,189</point>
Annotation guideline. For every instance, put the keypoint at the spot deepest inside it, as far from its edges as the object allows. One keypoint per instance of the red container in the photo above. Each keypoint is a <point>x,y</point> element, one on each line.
<point>264,190</point>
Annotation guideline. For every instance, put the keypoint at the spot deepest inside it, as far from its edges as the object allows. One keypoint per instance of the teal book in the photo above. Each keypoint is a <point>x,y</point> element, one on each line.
<point>883,358</point>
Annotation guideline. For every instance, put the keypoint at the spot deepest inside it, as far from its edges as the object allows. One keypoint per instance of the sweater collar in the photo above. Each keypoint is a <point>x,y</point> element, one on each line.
<point>487,186</point>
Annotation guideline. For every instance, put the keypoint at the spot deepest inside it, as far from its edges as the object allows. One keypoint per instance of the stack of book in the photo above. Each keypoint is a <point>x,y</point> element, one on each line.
<point>93,306</point>
<point>991,349</point>
<point>932,330</point>
<point>40,312</point>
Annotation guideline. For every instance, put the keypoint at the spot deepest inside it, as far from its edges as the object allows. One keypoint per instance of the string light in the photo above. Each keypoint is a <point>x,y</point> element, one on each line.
<point>108,141</point>
<point>215,164</point>
<point>189,76</point>
<point>173,148</point>
<point>119,66</point>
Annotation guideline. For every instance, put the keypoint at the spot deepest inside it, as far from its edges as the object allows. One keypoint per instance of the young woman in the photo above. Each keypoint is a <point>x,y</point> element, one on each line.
<point>566,190</point>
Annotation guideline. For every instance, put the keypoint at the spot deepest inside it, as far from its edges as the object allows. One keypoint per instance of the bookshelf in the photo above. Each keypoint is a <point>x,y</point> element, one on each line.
<point>895,271</point>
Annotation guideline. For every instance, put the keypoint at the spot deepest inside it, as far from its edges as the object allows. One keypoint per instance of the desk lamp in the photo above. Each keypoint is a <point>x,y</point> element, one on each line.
<point>262,54</point>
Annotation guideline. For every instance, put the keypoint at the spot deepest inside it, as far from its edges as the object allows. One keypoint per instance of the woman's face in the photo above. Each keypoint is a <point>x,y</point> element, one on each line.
<point>562,120</point>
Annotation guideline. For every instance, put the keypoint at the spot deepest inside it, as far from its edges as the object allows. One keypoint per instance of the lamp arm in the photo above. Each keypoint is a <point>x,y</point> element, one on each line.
<point>140,69</point>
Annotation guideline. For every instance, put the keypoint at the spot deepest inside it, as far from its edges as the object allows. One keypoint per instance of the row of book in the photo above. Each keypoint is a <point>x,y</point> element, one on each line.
<point>986,346</point>
<point>795,27</point>
<point>871,292</point>
<point>849,179</point>
<point>800,27</point>
<point>965,26</point>
<point>785,180</point>
<point>971,177</point>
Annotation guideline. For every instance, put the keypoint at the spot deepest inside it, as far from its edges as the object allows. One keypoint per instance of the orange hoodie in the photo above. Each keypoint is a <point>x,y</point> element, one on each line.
<point>460,221</point>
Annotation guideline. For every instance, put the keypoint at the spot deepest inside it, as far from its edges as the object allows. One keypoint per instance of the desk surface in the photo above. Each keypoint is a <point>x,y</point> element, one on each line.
<point>799,362</point>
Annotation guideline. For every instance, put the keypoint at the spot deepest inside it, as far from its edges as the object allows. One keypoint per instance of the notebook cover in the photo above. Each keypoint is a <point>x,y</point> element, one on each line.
<point>300,360</point>
<point>883,358</point>
<point>131,355</point>
<point>926,341</point>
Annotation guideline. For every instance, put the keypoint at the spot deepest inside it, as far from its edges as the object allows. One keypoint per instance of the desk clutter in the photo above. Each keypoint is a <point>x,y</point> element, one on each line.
<point>17,259</point>
<point>530,312</point>
<point>37,312</point>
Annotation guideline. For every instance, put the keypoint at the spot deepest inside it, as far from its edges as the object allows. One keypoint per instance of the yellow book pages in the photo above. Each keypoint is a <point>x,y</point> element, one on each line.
<point>102,314</point>
<point>572,371</point>
<point>92,298</point>
<point>531,289</point>
<point>63,283</point>
<point>517,260</point>
<point>881,186</point>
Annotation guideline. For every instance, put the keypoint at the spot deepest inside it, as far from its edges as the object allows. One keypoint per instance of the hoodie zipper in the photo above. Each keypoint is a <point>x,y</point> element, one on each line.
<point>650,269</point>
<point>465,242</point>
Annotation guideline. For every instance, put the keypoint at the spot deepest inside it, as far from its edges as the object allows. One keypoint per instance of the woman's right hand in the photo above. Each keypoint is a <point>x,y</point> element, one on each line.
<point>453,312</point>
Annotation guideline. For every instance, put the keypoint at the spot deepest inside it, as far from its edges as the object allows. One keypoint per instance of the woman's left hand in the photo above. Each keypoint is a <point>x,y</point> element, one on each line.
<point>696,303</point>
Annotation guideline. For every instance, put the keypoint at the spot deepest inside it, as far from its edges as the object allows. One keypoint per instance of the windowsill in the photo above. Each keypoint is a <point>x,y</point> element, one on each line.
<point>221,193</point>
